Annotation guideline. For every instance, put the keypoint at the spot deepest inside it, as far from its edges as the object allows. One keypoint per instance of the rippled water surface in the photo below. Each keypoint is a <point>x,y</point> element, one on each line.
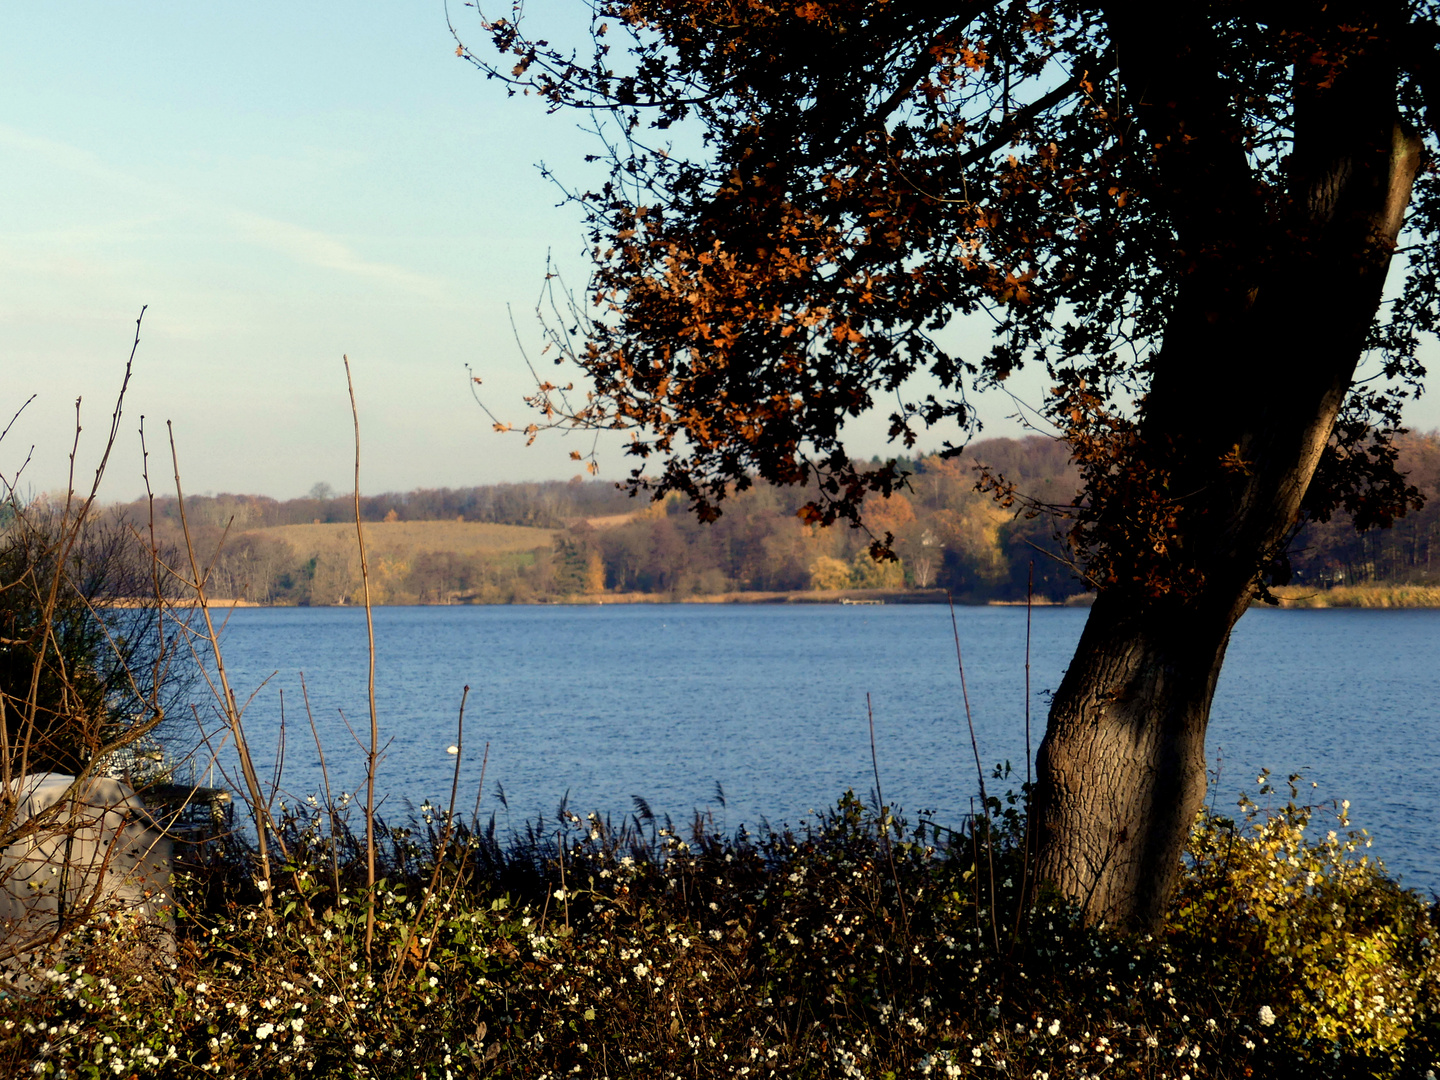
<point>769,702</point>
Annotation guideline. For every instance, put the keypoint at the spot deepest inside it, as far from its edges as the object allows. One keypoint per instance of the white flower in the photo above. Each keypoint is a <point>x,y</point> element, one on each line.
<point>1053,1029</point>
<point>264,1031</point>
<point>1267,1015</point>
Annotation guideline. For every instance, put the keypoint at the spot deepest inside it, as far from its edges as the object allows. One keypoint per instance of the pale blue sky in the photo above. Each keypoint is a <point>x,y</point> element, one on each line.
<point>281,183</point>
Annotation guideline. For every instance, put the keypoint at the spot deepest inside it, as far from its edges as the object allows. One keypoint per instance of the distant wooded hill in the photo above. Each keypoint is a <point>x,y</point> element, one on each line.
<point>521,543</point>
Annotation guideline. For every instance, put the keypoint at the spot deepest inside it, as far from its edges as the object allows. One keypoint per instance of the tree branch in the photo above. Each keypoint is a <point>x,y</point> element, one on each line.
<point>1420,59</point>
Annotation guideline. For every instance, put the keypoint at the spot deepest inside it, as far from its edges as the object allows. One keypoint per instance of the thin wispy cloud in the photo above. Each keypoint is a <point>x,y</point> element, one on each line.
<point>299,243</point>
<point>315,248</point>
<point>64,156</point>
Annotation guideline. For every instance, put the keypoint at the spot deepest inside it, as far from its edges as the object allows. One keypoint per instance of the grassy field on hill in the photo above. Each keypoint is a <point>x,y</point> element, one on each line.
<point>405,539</point>
<point>411,562</point>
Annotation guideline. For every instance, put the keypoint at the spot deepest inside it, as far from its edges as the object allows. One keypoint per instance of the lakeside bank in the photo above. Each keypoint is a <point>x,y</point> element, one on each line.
<point>1359,596</point>
<point>1290,596</point>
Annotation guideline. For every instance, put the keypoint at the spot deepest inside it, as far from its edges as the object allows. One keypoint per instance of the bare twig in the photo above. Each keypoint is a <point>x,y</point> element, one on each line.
<point>885,816</point>
<point>18,411</point>
<point>979,772</point>
<point>259,807</point>
<point>373,753</point>
<point>480,791</point>
<point>1025,848</point>
<point>440,854</point>
<point>325,779</point>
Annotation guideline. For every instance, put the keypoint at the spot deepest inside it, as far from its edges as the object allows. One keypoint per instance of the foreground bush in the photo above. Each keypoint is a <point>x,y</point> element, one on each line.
<point>859,947</point>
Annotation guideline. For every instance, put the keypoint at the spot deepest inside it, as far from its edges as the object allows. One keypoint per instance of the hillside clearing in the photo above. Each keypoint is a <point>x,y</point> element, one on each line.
<point>403,539</point>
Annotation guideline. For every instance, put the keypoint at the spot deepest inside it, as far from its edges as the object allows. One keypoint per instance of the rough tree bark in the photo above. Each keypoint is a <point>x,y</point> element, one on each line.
<point>1257,358</point>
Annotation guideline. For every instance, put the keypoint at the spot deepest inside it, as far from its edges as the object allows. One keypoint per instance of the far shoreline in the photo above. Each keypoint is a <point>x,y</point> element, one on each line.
<point>1291,597</point>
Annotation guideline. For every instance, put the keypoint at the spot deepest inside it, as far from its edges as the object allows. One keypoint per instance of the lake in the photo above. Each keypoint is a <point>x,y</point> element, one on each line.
<point>768,702</point>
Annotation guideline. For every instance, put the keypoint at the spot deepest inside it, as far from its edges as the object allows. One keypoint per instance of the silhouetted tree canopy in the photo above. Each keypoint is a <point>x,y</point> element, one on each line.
<point>806,200</point>
<point>1186,217</point>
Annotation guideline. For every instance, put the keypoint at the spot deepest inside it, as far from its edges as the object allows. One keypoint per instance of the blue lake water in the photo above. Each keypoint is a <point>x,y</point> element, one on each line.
<point>665,701</point>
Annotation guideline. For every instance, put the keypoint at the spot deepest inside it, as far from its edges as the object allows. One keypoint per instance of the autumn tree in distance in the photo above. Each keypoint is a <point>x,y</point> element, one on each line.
<point>1211,226</point>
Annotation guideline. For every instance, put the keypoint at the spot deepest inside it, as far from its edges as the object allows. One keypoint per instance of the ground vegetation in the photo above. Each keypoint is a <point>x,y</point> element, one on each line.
<point>857,945</point>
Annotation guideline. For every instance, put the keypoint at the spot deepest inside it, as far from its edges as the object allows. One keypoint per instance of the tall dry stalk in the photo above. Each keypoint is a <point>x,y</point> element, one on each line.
<point>980,773</point>
<point>325,778</point>
<point>259,806</point>
<point>885,816</point>
<point>372,755</point>
<point>440,854</point>
<point>1025,843</point>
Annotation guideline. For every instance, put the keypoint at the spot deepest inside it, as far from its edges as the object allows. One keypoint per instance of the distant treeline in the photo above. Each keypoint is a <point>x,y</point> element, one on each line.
<point>1335,554</point>
<point>549,505</point>
<point>600,541</point>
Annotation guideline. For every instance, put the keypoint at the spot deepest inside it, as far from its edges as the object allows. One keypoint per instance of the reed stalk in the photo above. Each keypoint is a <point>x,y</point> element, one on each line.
<point>259,806</point>
<point>372,754</point>
<point>980,774</point>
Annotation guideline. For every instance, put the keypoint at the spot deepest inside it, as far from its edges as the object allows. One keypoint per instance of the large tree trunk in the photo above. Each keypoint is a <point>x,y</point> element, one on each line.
<point>1260,350</point>
<point>1122,766</point>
